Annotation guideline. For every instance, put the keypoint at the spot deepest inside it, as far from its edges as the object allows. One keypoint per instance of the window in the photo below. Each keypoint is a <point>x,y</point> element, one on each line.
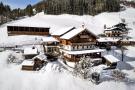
<point>73,47</point>
<point>87,47</point>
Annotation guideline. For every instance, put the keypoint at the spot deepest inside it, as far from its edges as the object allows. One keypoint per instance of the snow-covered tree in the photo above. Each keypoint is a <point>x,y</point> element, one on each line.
<point>15,58</point>
<point>83,67</point>
<point>118,75</point>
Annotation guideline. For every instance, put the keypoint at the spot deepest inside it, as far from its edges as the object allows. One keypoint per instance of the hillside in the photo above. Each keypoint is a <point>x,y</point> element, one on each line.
<point>81,7</point>
<point>93,23</point>
<point>50,78</point>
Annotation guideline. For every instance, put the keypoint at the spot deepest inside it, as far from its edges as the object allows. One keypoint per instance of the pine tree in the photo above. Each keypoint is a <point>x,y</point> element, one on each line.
<point>29,10</point>
<point>81,7</point>
<point>2,9</point>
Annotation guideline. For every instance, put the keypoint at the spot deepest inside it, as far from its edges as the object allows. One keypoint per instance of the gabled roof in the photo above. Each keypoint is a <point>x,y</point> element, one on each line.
<point>42,57</point>
<point>75,32</point>
<point>120,24</point>
<point>63,31</point>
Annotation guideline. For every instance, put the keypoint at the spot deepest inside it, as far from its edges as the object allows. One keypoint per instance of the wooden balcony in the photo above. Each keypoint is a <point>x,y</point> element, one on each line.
<point>73,59</point>
<point>87,43</point>
<point>76,58</point>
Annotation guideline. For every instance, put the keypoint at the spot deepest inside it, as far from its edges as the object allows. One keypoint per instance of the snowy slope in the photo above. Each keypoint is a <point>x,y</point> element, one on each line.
<point>57,22</point>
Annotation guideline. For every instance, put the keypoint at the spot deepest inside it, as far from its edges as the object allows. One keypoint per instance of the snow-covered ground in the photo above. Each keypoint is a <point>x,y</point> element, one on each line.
<point>12,78</point>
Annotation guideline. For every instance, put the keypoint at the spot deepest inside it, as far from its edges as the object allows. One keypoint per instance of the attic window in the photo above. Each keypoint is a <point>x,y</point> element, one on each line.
<point>84,36</point>
<point>33,47</point>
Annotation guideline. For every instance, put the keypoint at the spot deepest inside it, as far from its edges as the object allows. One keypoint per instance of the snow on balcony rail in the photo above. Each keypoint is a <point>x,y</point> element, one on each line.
<point>83,51</point>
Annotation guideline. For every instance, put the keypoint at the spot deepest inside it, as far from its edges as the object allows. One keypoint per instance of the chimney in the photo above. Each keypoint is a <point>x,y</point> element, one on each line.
<point>83,25</point>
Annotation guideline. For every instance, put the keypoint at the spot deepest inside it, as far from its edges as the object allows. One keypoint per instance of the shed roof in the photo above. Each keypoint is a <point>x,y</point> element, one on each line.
<point>41,57</point>
<point>111,58</point>
<point>30,51</point>
<point>28,63</point>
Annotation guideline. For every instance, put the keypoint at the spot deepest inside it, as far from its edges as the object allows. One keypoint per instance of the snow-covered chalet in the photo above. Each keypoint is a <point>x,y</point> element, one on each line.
<point>78,42</point>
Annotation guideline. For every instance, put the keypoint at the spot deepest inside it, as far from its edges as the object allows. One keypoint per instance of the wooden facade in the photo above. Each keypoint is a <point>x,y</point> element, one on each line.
<point>117,30</point>
<point>27,67</point>
<point>81,38</point>
<point>23,30</point>
<point>114,33</point>
<point>126,42</point>
<point>85,40</point>
<point>38,64</point>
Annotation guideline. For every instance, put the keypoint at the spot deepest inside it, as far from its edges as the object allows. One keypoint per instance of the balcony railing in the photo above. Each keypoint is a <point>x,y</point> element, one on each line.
<point>87,43</point>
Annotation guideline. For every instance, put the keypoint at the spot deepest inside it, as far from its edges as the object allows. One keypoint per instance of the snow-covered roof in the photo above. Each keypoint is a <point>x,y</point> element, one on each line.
<point>112,28</point>
<point>83,51</point>
<point>30,51</point>
<point>99,68</point>
<point>108,39</point>
<point>111,58</point>
<point>49,39</point>
<point>97,59</point>
<point>28,63</point>
<point>132,40</point>
<point>29,22</point>
<point>62,31</point>
<point>41,57</point>
<point>74,32</point>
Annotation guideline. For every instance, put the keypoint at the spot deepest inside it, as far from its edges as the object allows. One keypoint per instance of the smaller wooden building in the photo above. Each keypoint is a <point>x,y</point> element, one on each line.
<point>107,42</point>
<point>39,61</point>
<point>35,63</point>
<point>110,61</point>
<point>30,52</point>
<point>27,65</point>
<point>114,32</point>
<point>117,30</point>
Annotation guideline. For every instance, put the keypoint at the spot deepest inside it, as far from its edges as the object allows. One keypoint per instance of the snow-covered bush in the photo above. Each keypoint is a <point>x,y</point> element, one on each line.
<point>118,75</point>
<point>15,58</point>
<point>83,68</point>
